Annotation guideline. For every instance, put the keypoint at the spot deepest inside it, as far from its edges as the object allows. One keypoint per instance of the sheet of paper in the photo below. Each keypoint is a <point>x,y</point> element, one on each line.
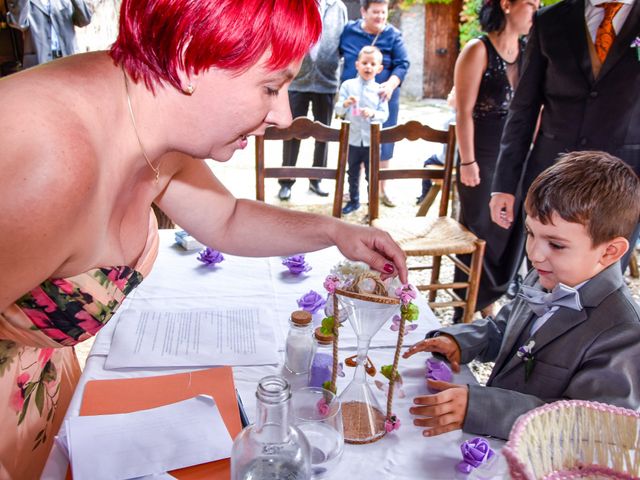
<point>192,338</point>
<point>147,442</point>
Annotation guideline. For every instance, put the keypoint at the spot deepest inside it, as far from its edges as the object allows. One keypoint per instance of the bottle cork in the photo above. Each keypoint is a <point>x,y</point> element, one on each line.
<point>323,338</point>
<point>301,317</point>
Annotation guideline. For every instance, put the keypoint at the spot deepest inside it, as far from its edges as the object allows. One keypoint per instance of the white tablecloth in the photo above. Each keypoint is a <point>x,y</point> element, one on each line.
<point>179,281</point>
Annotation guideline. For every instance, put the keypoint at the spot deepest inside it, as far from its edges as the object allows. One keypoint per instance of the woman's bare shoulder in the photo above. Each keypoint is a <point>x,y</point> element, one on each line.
<point>48,177</point>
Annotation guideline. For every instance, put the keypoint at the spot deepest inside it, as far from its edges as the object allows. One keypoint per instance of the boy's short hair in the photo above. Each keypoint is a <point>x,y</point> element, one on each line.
<point>370,50</point>
<point>592,188</point>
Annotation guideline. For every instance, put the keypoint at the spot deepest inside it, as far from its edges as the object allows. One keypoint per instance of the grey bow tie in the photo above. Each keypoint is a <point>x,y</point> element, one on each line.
<point>541,302</point>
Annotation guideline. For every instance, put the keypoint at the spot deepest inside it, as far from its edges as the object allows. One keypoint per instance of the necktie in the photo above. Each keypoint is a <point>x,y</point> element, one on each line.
<point>541,302</point>
<point>606,34</point>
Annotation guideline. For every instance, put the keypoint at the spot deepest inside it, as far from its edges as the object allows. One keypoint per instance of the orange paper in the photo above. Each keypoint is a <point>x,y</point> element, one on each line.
<point>102,397</point>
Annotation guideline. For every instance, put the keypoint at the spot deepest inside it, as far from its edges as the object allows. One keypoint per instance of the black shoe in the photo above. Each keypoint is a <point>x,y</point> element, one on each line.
<point>514,287</point>
<point>350,207</point>
<point>284,193</point>
<point>317,189</point>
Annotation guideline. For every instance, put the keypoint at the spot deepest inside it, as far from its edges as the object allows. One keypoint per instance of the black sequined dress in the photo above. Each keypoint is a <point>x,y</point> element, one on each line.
<point>503,251</point>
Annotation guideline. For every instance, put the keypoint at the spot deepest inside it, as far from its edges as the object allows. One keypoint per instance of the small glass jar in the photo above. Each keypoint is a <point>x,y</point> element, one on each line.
<point>273,447</point>
<point>300,346</point>
<point>322,363</point>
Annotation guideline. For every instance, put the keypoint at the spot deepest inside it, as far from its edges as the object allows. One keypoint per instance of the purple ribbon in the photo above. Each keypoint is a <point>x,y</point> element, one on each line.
<point>475,452</point>
<point>296,264</point>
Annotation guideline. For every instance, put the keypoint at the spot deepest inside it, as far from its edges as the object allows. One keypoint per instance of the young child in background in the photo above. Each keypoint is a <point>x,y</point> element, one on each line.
<point>360,103</point>
<point>581,340</point>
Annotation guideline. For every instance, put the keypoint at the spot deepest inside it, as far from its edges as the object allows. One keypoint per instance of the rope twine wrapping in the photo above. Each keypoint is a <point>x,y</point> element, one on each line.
<point>575,439</point>
<point>394,370</point>
<point>336,325</point>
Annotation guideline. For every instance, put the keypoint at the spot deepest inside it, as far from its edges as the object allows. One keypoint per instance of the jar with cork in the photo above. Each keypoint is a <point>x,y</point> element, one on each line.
<point>322,363</point>
<point>300,346</point>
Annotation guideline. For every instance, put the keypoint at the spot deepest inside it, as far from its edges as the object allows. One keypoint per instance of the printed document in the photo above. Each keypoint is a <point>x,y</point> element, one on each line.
<point>192,338</point>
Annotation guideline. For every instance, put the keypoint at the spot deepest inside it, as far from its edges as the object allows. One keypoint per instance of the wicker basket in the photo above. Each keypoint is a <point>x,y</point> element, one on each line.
<point>575,439</point>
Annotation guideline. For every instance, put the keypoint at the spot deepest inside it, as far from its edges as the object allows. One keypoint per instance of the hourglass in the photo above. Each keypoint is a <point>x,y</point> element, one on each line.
<point>362,417</point>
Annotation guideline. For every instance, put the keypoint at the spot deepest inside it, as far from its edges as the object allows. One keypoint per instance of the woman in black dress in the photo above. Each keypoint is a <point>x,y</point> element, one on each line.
<point>486,74</point>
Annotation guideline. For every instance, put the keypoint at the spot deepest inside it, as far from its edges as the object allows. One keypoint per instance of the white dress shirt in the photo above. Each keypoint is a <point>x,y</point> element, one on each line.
<point>594,15</point>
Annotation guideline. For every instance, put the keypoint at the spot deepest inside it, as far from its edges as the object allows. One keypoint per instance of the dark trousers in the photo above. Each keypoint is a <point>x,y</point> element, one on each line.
<point>357,156</point>
<point>322,109</point>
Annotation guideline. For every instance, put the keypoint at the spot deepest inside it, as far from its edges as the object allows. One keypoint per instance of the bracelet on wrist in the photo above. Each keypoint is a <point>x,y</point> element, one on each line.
<point>468,163</point>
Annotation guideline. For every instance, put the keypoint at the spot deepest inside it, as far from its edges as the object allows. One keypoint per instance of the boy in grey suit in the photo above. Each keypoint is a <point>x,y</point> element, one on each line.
<point>581,340</point>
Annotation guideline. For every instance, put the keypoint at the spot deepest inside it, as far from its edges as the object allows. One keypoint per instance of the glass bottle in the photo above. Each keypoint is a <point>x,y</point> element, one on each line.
<point>300,346</point>
<point>322,363</point>
<point>271,448</point>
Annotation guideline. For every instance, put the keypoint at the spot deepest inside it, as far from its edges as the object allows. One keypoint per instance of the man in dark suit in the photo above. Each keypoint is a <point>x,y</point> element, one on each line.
<point>580,67</point>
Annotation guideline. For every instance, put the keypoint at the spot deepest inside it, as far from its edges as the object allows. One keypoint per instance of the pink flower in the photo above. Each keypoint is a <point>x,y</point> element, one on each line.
<point>87,322</point>
<point>37,317</point>
<point>391,424</point>
<point>16,400</point>
<point>323,408</point>
<point>41,321</point>
<point>43,300</point>
<point>115,278</point>
<point>406,293</point>
<point>64,285</point>
<point>331,283</point>
<point>22,379</point>
<point>45,355</point>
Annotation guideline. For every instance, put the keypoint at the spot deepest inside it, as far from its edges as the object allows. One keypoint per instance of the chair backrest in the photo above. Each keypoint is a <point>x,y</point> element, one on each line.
<point>301,128</point>
<point>411,131</point>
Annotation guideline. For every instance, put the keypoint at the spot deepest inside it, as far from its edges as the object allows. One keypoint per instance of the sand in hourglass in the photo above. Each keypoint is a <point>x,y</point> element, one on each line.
<point>359,420</point>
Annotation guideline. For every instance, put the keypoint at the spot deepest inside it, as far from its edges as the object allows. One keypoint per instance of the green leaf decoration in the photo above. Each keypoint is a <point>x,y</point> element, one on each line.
<point>410,312</point>
<point>327,386</point>
<point>326,328</point>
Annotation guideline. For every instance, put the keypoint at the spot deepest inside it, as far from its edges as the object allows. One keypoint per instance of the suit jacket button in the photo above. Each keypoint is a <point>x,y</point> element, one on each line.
<point>593,94</point>
<point>583,141</point>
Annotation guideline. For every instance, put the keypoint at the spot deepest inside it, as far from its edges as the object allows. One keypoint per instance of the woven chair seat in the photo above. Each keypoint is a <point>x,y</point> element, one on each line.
<point>434,236</point>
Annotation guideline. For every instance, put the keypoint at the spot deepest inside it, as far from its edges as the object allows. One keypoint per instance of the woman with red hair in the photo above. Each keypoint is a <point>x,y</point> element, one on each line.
<point>90,141</point>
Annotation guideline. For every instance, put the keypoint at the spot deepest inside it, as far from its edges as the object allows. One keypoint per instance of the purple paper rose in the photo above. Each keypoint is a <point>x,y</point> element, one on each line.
<point>210,257</point>
<point>474,453</point>
<point>296,264</point>
<point>438,370</point>
<point>311,302</point>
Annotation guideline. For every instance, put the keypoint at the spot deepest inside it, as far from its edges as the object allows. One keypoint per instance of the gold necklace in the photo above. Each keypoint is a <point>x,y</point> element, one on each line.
<point>155,170</point>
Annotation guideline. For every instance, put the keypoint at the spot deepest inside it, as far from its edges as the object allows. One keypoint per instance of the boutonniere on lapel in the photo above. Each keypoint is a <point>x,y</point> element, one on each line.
<point>525,353</point>
<point>636,44</point>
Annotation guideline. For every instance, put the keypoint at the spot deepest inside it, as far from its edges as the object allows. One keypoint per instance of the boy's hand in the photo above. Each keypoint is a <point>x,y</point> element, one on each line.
<point>442,412</point>
<point>350,101</point>
<point>443,344</point>
<point>366,112</point>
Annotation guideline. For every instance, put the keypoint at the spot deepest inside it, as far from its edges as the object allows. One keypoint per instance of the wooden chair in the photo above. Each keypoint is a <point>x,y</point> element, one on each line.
<point>302,128</point>
<point>419,236</point>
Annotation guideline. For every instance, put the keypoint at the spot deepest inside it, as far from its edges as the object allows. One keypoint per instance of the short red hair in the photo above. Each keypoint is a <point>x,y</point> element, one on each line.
<point>227,34</point>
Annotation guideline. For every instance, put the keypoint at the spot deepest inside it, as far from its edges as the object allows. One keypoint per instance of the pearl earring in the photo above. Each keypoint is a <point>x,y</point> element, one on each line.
<point>188,90</point>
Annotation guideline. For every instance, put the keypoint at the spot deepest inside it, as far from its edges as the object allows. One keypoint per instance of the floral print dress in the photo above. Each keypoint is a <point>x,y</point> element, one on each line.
<point>38,365</point>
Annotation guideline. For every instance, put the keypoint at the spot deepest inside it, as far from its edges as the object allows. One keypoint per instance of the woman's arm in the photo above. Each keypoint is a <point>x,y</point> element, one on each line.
<point>469,68</point>
<point>197,201</point>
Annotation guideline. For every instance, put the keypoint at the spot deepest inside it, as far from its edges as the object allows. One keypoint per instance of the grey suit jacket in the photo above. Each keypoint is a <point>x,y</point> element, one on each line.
<point>33,18</point>
<point>593,354</point>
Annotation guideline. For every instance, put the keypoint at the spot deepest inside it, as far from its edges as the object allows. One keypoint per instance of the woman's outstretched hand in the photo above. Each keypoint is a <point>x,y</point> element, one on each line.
<point>374,247</point>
